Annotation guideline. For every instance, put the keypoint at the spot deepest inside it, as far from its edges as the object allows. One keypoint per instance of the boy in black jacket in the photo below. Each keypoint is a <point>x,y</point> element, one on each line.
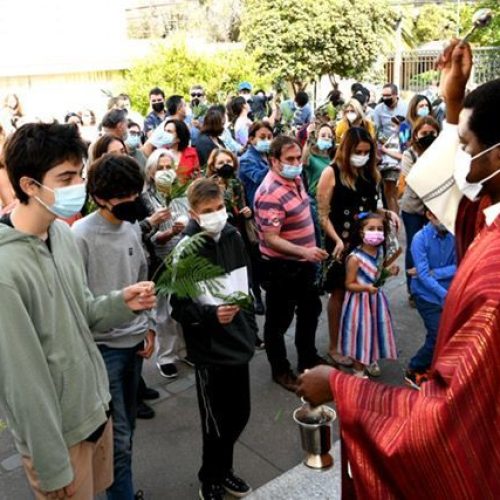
<point>220,340</point>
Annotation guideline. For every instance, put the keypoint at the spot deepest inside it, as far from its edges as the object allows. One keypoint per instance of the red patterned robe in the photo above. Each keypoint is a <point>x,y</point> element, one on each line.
<point>442,441</point>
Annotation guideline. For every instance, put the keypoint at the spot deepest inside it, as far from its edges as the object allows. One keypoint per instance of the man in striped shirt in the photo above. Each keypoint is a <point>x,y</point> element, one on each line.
<point>289,251</point>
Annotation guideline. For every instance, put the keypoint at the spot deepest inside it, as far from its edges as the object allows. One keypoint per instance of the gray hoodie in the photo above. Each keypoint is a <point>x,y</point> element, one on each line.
<point>54,386</point>
<point>113,258</point>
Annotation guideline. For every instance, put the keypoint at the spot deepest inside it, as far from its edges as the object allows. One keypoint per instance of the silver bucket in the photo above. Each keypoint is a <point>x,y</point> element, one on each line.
<point>315,426</point>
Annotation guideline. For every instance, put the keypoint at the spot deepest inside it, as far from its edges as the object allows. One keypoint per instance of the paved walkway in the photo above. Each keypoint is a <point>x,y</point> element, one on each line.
<point>167,448</point>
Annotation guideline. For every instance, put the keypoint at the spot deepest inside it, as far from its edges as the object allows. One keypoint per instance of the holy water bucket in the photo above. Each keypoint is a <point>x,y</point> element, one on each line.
<point>315,424</point>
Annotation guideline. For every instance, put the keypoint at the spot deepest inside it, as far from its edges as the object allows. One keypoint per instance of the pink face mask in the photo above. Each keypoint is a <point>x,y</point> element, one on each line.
<point>373,238</point>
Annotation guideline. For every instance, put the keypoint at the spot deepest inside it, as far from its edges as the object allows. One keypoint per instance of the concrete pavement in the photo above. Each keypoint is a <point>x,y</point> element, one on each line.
<point>167,449</point>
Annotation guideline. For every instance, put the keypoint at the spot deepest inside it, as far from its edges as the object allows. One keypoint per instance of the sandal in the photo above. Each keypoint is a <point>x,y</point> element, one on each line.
<point>373,369</point>
<point>338,359</point>
<point>360,374</point>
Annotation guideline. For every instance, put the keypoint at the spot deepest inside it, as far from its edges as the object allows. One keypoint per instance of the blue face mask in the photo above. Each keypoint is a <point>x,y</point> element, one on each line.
<point>263,146</point>
<point>291,171</point>
<point>68,200</point>
<point>160,138</point>
<point>423,111</point>
<point>324,144</point>
<point>168,138</point>
<point>133,141</point>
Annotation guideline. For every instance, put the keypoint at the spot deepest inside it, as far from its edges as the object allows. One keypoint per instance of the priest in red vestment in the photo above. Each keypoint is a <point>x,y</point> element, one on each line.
<point>444,440</point>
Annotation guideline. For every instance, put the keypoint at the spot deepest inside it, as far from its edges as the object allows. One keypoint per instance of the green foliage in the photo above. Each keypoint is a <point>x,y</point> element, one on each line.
<point>434,22</point>
<point>184,271</point>
<point>424,79</point>
<point>3,425</point>
<point>240,299</point>
<point>384,276</point>
<point>439,22</point>
<point>172,191</point>
<point>187,275</point>
<point>485,37</point>
<point>176,68</point>
<point>303,40</point>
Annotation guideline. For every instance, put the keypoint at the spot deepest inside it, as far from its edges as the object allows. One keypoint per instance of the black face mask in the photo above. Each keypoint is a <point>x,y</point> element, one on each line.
<point>426,141</point>
<point>195,102</point>
<point>226,171</point>
<point>158,107</point>
<point>388,101</point>
<point>130,211</point>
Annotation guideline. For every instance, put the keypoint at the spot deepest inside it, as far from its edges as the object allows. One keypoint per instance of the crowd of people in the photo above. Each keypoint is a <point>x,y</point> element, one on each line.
<point>291,203</point>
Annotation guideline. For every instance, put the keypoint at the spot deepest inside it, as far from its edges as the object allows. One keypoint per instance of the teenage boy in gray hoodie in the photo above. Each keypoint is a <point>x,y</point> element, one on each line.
<point>111,246</point>
<point>54,388</point>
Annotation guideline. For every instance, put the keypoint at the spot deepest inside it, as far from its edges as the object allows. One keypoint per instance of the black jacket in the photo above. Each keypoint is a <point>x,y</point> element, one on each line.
<point>204,146</point>
<point>207,341</point>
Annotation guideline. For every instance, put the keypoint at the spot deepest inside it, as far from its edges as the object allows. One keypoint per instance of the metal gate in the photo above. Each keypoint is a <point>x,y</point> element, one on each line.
<point>417,68</point>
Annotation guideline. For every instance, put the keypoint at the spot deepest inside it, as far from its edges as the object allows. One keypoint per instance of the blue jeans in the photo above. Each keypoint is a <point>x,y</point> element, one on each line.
<point>413,224</point>
<point>124,371</point>
<point>431,314</point>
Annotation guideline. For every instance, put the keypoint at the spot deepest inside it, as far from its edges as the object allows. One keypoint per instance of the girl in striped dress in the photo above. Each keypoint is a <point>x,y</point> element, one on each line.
<point>366,333</point>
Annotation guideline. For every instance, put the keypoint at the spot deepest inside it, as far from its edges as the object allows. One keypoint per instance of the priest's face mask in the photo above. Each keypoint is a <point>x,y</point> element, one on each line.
<point>485,159</point>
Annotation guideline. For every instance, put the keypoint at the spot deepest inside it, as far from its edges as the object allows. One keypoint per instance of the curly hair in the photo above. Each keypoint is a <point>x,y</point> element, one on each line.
<point>114,176</point>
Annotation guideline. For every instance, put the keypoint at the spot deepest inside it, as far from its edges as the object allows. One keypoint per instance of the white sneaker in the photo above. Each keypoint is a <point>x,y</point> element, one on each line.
<point>373,369</point>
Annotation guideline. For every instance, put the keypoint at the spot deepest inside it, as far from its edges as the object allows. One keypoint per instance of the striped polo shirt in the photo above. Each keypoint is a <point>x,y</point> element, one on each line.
<point>282,207</point>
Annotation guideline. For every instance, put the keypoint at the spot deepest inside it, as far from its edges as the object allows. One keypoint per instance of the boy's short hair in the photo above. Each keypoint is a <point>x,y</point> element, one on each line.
<point>36,148</point>
<point>114,176</point>
<point>203,190</point>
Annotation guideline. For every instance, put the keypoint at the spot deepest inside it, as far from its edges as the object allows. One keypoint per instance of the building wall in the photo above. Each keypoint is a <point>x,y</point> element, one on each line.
<point>54,95</point>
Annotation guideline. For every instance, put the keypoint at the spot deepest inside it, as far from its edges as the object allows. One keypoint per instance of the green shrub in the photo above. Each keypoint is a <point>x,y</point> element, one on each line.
<point>176,68</point>
<point>424,79</point>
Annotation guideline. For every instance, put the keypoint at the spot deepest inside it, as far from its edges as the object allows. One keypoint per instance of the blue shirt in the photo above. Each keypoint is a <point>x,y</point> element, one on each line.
<point>253,169</point>
<point>436,263</point>
<point>382,118</point>
<point>152,121</point>
<point>301,116</point>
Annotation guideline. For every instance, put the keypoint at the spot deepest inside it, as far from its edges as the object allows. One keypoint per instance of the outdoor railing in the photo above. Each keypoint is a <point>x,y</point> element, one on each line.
<point>417,68</point>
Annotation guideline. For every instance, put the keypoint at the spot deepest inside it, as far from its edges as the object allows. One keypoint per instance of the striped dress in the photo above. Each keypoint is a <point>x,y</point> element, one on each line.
<point>366,333</point>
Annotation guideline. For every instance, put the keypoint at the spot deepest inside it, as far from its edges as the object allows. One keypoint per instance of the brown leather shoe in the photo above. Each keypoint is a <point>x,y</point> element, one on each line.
<point>287,380</point>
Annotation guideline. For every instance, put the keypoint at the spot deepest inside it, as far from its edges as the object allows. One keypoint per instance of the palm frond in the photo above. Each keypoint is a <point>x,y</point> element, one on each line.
<point>187,274</point>
<point>240,299</point>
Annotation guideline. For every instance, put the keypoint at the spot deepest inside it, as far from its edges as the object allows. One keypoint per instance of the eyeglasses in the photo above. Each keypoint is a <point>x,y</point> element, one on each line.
<point>134,133</point>
<point>195,94</point>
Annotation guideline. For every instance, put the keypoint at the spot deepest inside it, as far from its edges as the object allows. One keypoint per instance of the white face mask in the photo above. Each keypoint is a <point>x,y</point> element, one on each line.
<point>214,222</point>
<point>351,116</point>
<point>165,177</point>
<point>463,161</point>
<point>359,161</point>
